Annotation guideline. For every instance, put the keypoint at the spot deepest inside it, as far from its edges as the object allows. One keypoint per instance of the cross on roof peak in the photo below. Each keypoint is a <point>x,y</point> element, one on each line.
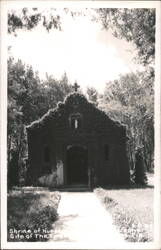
<point>76,87</point>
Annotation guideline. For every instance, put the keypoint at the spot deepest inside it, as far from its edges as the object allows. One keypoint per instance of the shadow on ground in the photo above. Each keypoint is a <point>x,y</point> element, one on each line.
<point>61,225</point>
<point>127,187</point>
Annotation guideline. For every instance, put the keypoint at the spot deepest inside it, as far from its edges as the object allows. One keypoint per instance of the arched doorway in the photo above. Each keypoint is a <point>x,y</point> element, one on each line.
<point>77,165</point>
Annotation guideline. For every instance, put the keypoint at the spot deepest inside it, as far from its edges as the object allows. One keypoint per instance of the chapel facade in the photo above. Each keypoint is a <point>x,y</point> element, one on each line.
<point>77,144</point>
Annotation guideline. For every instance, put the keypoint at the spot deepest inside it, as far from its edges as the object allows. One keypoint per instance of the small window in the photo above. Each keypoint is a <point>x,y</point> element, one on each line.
<point>75,122</point>
<point>106,152</point>
<point>46,154</point>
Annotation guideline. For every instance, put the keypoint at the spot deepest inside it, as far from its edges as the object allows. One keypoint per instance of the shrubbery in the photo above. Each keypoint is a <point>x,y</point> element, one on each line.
<point>139,173</point>
<point>31,212</point>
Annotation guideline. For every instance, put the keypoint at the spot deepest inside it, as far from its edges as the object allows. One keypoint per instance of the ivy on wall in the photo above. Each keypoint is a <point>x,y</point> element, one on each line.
<point>96,119</point>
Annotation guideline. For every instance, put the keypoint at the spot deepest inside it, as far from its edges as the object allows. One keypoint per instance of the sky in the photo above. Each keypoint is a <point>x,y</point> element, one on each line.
<point>87,53</point>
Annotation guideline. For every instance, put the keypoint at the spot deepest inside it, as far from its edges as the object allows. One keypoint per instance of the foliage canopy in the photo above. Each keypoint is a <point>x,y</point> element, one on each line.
<point>136,26</point>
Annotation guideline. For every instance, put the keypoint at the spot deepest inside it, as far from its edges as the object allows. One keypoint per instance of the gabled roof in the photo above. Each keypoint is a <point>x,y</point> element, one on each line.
<point>72,100</point>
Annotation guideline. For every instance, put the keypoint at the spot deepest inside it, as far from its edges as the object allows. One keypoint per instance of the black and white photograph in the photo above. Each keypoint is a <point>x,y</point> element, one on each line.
<point>80,134</point>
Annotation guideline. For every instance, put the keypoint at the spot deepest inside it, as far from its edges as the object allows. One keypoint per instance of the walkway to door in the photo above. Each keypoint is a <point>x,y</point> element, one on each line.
<point>84,223</point>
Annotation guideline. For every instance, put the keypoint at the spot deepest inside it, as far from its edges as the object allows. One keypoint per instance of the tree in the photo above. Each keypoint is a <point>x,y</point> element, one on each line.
<point>20,83</point>
<point>28,100</point>
<point>29,18</point>
<point>13,171</point>
<point>135,25</point>
<point>139,173</point>
<point>130,100</point>
<point>92,95</point>
<point>56,90</point>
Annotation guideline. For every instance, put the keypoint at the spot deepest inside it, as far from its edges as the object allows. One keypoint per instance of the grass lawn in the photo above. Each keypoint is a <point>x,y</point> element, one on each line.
<point>132,211</point>
<point>31,213</point>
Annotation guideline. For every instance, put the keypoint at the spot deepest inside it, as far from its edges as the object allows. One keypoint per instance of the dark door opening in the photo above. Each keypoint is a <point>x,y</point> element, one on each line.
<point>77,165</point>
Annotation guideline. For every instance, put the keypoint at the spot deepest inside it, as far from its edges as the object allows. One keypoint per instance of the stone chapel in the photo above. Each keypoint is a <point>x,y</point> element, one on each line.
<point>77,144</point>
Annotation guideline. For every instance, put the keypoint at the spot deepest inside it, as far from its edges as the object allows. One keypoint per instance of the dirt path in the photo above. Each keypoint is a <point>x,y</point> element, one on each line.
<point>84,223</point>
